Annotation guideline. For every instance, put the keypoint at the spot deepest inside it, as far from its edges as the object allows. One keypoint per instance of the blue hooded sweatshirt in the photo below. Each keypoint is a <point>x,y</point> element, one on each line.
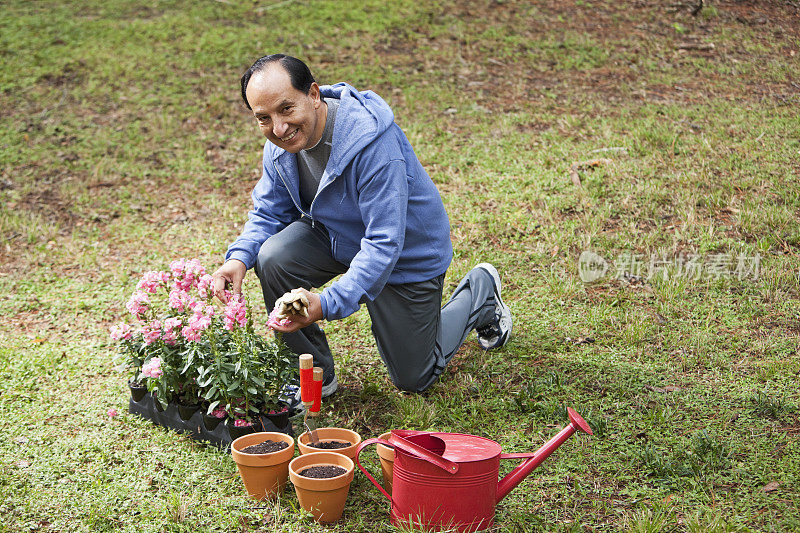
<point>383,213</point>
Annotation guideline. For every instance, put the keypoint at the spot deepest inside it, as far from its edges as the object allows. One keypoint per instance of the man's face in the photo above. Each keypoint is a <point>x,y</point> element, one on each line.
<point>288,118</point>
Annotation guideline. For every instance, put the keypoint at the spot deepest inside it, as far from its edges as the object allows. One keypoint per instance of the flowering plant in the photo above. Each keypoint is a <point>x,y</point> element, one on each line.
<point>185,349</point>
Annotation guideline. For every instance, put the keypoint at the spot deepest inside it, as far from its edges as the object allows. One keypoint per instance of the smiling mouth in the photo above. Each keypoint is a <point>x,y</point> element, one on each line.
<point>290,136</point>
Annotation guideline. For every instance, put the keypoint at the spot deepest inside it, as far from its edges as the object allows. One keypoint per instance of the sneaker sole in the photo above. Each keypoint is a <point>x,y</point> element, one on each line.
<point>506,312</point>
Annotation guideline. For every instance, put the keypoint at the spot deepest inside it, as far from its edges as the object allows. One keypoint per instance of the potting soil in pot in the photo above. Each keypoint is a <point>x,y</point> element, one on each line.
<point>323,471</point>
<point>329,445</point>
<point>268,446</point>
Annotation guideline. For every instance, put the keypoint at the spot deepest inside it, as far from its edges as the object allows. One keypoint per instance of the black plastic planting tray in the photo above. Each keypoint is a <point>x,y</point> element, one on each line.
<point>199,427</point>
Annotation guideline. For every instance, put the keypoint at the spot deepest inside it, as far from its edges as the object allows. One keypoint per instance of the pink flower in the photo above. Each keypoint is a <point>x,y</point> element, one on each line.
<point>204,285</point>
<point>152,280</point>
<point>172,326</point>
<point>170,337</point>
<point>173,323</point>
<point>190,334</point>
<point>111,413</point>
<point>180,300</point>
<point>151,332</point>
<point>199,322</point>
<point>138,304</point>
<point>177,267</point>
<point>219,412</point>
<point>274,321</point>
<point>121,331</point>
<point>195,269</point>
<point>186,273</point>
<point>235,312</point>
<point>152,368</point>
<point>242,423</point>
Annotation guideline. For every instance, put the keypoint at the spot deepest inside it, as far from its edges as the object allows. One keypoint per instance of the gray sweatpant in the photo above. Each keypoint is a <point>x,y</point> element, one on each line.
<point>415,337</point>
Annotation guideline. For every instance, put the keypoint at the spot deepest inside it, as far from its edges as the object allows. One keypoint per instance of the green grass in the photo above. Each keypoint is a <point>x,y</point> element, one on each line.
<point>123,145</point>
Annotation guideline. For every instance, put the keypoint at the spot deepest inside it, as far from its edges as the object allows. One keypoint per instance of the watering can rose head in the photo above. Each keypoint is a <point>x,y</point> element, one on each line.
<point>187,348</point>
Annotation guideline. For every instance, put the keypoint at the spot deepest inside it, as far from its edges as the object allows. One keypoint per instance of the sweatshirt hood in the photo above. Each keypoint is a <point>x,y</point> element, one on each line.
<point>363,116</point>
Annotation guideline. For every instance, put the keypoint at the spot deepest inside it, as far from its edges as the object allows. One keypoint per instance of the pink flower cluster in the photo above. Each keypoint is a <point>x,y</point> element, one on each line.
<point>121,331</point>
<point>152,368</point>
<point>190,334</point>
<point>219,412</point>
<point>180,300</point>
<point>152,280</point>
<point>198,322</point>
<point>186,273</point>
<point>205,286</point>
<point>172,327</point>
<point>138,304</point>
<point>239,423</point>
<point>151,332</point>
<point>274,321</point>
<point>235,312</point>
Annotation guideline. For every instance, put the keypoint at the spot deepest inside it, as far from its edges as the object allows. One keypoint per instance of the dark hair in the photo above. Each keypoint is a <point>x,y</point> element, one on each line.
<point>298,71</point>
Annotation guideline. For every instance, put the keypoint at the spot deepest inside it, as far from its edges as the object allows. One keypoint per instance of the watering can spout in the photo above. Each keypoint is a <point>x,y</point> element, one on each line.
<point>515,477</point>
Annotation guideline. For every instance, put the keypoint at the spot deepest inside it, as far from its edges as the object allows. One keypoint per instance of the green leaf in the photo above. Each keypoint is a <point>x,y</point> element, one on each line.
<point>212,406</point>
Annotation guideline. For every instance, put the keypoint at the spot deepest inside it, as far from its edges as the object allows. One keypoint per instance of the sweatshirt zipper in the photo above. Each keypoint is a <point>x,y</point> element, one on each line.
<point>291,196</point>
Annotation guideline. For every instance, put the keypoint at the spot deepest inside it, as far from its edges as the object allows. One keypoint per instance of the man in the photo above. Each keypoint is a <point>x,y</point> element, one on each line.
<point>342,192</point>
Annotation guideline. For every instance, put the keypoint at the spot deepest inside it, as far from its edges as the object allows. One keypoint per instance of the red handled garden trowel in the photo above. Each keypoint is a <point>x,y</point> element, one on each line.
<point>310,394</point>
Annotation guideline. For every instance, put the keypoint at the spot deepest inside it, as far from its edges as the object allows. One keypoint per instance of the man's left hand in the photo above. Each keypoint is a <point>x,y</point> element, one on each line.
<point>300,321</point>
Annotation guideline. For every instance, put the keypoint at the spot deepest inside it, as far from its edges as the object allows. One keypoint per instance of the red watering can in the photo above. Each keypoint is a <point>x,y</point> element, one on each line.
<point>449,480</point>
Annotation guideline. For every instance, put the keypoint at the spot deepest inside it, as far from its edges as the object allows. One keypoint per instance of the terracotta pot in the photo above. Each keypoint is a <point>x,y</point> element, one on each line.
<point>323,498</point>
<point>264,475</point>
<point>386,455</point>
<point>337,434</point>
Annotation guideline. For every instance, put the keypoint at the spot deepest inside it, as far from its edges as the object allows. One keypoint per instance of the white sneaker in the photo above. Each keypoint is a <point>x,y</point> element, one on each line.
<point>497,332</point>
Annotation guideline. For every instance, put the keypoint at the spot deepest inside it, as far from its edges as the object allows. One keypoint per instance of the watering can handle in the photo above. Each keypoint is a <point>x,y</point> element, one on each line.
<point>411,448</point>
<point>358,452</point>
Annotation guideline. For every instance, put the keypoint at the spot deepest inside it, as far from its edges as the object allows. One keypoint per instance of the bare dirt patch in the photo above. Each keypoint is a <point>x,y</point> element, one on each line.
<point>612,46</point>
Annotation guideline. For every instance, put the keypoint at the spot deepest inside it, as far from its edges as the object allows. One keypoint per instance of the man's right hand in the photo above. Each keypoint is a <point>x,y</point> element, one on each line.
<point>228,275</point>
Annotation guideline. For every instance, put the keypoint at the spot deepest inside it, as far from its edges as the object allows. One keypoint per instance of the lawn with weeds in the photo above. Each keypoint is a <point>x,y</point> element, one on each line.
<point>662,138</point>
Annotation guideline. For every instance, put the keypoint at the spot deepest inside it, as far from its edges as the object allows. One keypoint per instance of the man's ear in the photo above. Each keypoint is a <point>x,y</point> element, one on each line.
<point>314,94</point>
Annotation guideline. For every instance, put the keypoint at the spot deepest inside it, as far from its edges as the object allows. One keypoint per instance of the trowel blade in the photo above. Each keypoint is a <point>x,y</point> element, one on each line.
<point>311,427</point>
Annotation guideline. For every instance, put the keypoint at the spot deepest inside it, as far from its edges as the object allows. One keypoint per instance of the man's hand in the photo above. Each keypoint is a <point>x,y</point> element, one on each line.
<point>299,321</point>
<point>228,275</point>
